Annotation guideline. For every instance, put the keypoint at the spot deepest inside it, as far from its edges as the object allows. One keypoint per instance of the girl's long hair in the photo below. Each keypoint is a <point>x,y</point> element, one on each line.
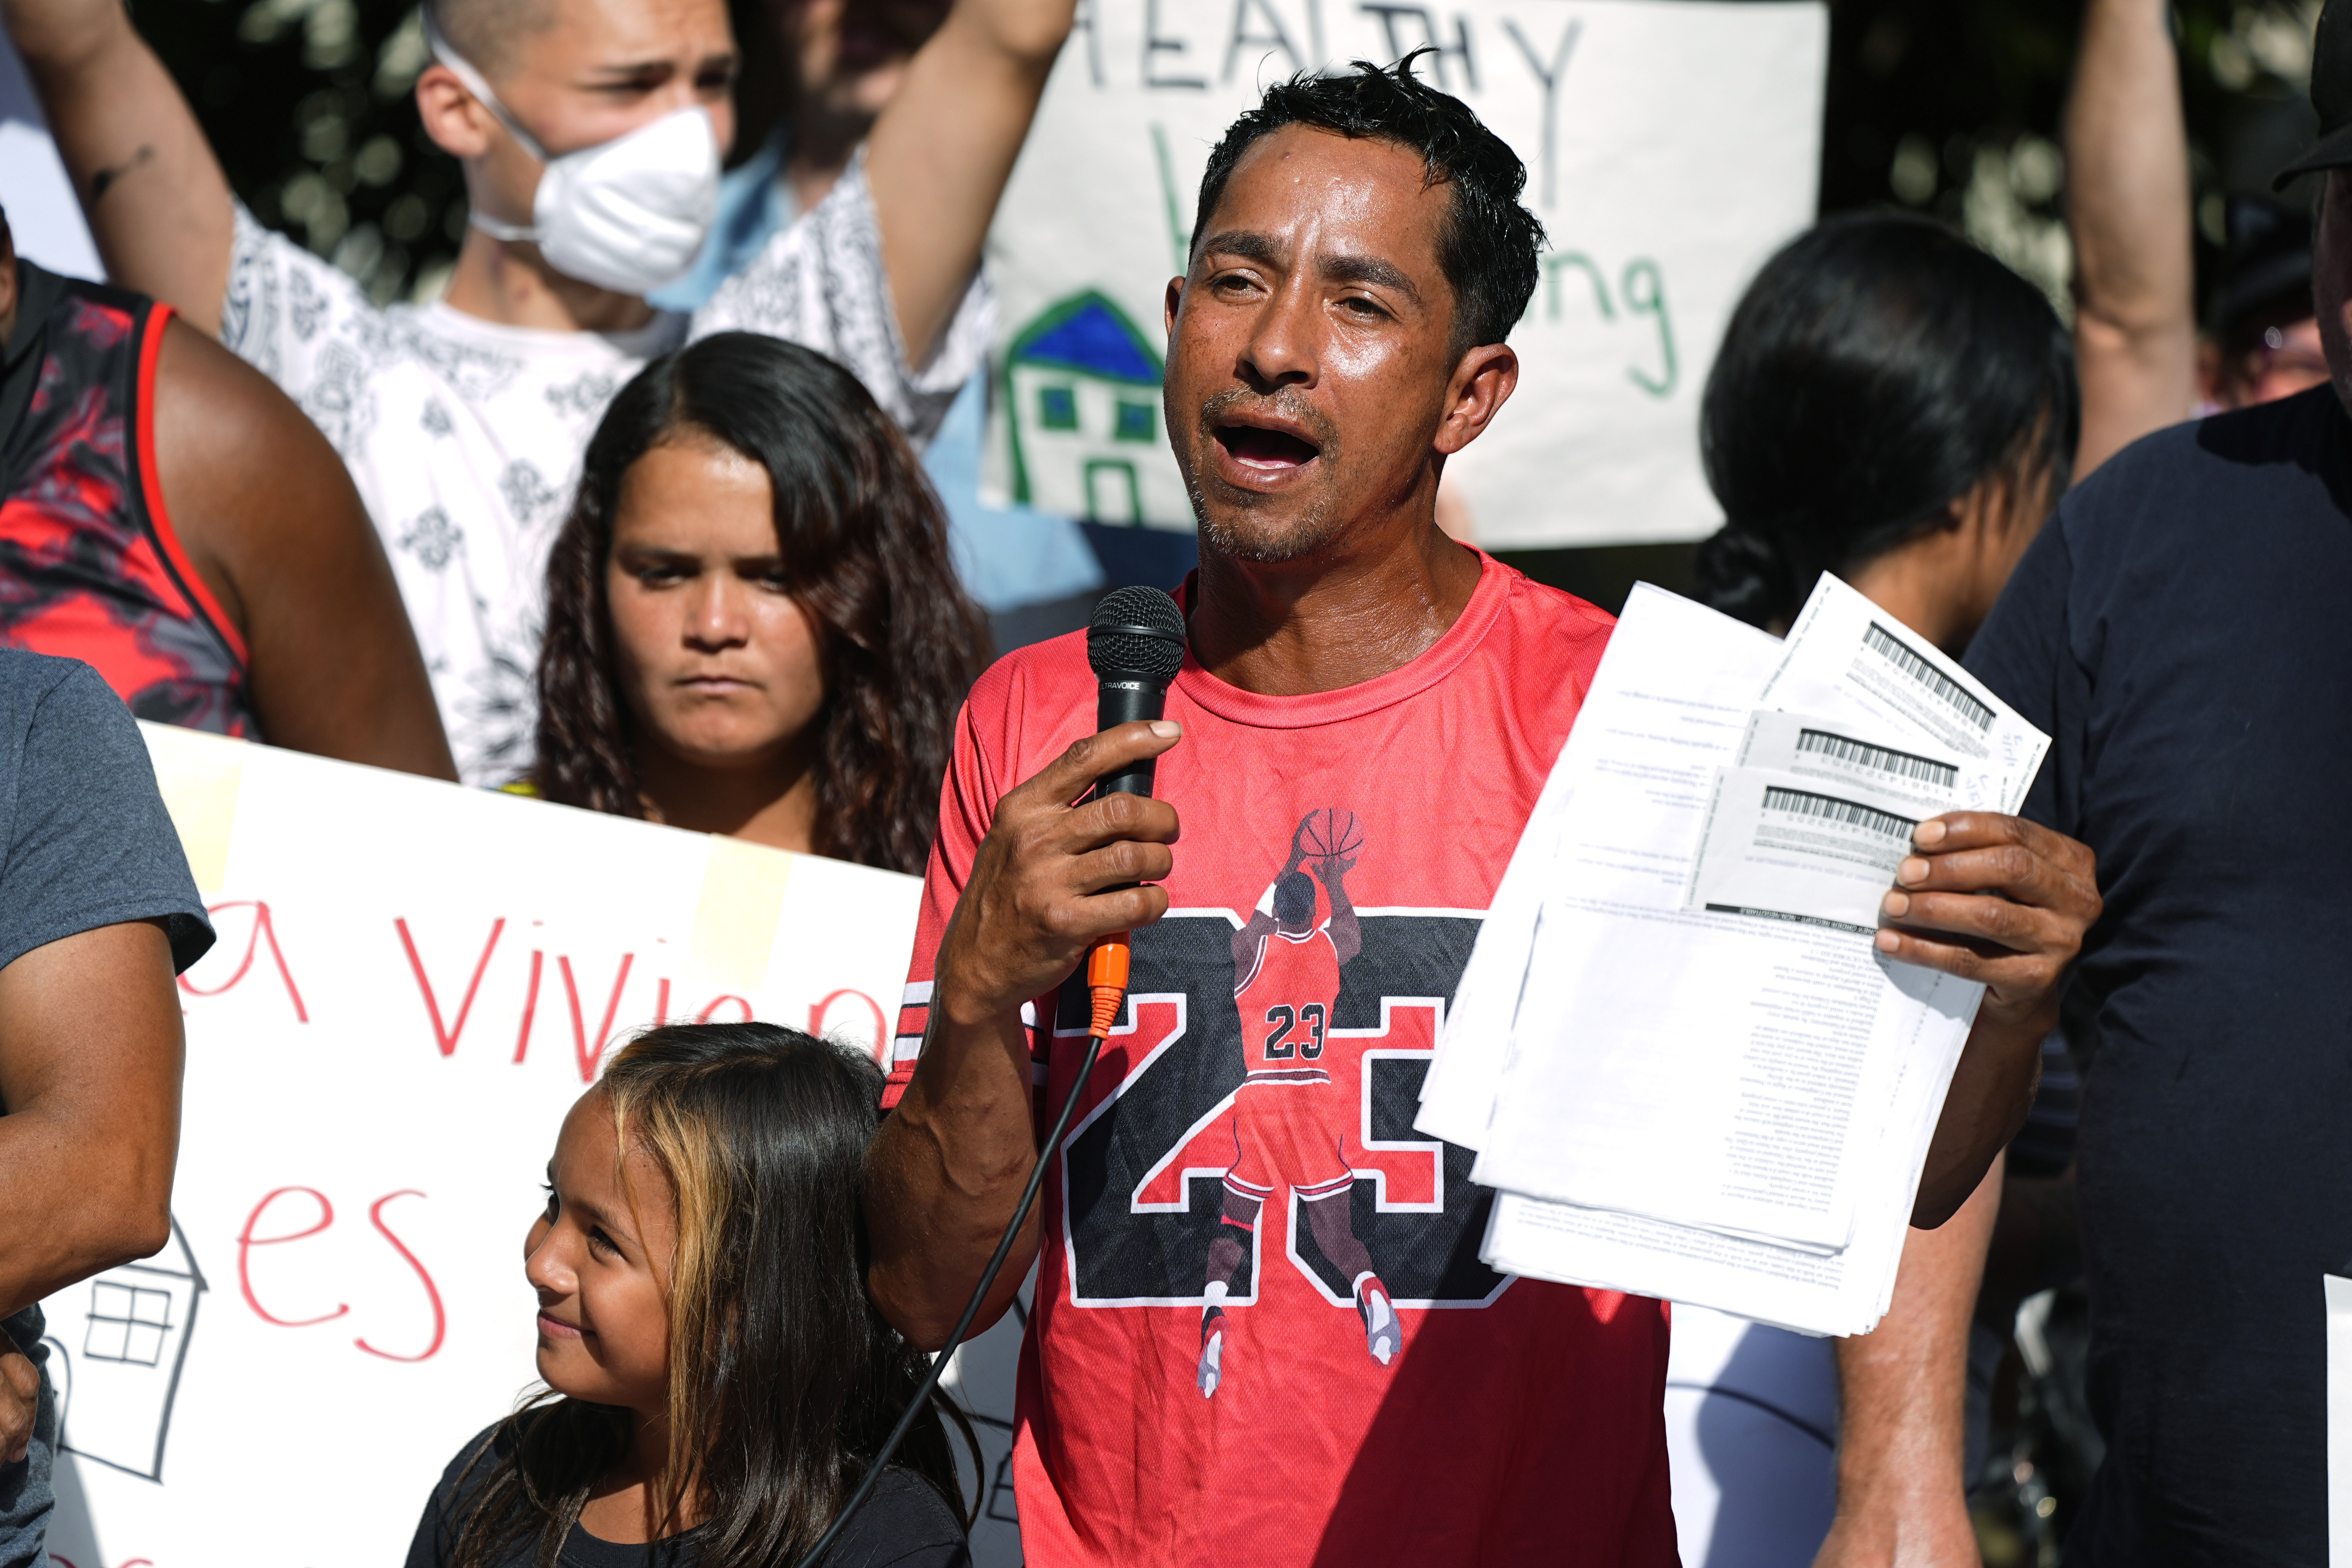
<point>783,1379</point>
<point>865,547</point>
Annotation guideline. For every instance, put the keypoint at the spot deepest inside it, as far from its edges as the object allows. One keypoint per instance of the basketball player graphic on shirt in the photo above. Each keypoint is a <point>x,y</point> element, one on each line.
<point>1289,1124</point>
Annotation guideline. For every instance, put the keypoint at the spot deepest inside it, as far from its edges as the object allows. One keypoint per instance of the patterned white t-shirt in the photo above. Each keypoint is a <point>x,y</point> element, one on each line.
<point>465,437</point>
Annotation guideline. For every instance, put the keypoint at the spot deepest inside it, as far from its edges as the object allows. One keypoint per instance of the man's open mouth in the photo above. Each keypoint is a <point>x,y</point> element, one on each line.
<point>1272,451</point>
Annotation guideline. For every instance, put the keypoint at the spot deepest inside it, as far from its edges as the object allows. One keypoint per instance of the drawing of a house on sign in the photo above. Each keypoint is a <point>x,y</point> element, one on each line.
<point>116,1346</point>
<point>1082,390</point>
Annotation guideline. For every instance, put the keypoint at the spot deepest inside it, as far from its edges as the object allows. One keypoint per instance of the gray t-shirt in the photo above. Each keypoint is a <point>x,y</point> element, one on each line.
<point>85,842</point>
<point>84,838</point>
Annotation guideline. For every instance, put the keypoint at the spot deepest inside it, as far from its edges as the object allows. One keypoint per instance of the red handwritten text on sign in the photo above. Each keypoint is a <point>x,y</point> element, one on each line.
<point>259,931</point>
<point>817,1016</point>
<point>588,1046</point>
<point>253,1236</point>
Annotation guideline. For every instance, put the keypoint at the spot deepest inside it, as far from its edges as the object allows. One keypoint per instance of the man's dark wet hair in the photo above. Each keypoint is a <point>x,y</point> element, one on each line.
<point>1487,250</point>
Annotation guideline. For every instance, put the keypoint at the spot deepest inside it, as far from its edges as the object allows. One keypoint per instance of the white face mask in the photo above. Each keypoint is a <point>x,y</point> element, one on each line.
<point>629,215</point>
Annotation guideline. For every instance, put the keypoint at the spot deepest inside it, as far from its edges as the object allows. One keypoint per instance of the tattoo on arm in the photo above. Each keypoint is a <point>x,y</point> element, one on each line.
<point>103,181</point>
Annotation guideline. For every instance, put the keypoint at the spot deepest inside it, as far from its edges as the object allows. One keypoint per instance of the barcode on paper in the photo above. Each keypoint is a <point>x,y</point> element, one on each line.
<point>1880,759</point>
<point>1829,808</point>
<point>1896,652</point>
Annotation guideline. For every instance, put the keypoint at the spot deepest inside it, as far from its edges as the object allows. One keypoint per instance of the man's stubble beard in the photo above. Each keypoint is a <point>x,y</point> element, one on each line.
<point>1314,528</point>
<point>1309,532</point>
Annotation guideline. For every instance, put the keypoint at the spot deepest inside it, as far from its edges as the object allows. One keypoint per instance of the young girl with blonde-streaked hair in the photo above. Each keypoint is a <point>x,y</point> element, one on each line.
<point>717,1381</point>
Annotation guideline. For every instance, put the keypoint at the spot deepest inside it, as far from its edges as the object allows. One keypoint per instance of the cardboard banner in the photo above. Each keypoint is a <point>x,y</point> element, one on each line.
<point>1670,144</point>
<point>412,982</point>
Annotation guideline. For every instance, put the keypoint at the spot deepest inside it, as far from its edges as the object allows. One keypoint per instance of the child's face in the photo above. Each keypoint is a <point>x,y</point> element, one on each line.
<point>601,1266</point>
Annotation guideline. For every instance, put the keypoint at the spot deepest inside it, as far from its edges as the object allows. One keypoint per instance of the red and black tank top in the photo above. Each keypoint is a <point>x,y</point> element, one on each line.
<point>90,566</point>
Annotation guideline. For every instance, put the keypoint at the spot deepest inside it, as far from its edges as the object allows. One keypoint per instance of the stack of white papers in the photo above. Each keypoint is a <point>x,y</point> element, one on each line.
<point>1683,1064</point>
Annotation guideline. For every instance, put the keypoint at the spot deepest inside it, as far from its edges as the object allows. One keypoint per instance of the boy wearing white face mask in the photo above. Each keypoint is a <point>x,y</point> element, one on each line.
<point>590,133</point>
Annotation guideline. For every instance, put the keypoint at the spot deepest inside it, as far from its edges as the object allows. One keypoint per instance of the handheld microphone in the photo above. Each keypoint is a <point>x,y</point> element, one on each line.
<point>1135,644</point>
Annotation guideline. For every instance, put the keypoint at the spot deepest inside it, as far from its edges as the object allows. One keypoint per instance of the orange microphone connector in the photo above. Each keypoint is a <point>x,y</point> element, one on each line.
<point>1106,963</point>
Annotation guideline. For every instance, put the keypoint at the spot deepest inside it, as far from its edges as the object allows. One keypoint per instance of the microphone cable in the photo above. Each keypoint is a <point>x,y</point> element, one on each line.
<point>1135,644</point>
<point>1106,971</point>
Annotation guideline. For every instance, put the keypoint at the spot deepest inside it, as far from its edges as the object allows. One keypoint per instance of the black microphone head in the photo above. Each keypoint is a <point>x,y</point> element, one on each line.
<point>1137,634</point>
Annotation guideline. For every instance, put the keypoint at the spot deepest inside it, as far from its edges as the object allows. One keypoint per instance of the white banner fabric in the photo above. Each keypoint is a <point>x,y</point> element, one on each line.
<point>413,984</point>
<point>1670,144</point>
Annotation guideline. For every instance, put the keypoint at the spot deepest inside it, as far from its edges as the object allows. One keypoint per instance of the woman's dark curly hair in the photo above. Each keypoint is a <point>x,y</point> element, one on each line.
<point>865,546</point>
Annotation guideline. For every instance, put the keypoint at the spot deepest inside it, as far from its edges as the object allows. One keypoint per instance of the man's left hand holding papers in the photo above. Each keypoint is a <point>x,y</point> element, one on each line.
<point>2005,901</point>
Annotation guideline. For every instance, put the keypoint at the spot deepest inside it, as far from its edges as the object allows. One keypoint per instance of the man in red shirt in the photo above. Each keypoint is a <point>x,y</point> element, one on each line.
<point>1355,678</point>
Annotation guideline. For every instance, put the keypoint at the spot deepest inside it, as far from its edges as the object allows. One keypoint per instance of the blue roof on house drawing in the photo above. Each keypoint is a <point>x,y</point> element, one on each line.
<point>1088,335</point>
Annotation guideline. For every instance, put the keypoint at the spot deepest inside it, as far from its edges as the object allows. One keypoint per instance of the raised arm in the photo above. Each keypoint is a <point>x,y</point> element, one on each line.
<point>1262,920</point>
<point>156,200</point>
<point>2127,208</point>
<point>271,523</point>
<point>1245,942</point>
<point>1347,932</point>
<point>941,151</point>
<point>946,1172</point>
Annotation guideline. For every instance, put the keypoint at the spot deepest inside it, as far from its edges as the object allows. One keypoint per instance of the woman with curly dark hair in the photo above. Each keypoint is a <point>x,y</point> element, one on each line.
<point>753,626</point>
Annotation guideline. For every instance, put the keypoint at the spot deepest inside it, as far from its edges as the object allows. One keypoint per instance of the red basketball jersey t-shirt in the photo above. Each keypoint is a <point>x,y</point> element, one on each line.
<point>1520,1421</point>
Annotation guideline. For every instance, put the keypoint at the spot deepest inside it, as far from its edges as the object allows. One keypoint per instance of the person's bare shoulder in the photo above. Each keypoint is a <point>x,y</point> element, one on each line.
<point>241,465</point>
<point>221,424</point>
<point>271,522</point>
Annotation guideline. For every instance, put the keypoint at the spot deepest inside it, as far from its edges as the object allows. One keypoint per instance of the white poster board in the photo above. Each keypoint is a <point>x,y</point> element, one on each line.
<point>413,984</point>
<point>1670,144</point>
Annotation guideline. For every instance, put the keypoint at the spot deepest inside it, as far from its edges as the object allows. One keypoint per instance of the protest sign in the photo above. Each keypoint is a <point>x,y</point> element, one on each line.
<point>412,982</point>
<point>1670,145</point>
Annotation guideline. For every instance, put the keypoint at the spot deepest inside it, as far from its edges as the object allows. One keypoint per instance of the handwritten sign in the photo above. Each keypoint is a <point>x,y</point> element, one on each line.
<point>1670,144</point>
<point>412,982</point>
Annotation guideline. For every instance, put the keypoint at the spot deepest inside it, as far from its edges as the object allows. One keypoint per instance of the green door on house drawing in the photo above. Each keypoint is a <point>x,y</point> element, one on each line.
<point>1082,391</point>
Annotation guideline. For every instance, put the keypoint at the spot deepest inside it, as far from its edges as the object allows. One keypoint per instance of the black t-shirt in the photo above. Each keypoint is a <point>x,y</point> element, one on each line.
<point>2183,630</point>
<point>905,1524</point>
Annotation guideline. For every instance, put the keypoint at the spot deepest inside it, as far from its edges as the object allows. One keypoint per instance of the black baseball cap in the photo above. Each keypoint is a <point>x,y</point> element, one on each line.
<point>2331,95</point>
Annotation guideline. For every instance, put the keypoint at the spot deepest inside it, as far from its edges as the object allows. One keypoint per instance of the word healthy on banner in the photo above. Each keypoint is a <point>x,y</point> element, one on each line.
<point>412,982</point>
<point>1670,145</point>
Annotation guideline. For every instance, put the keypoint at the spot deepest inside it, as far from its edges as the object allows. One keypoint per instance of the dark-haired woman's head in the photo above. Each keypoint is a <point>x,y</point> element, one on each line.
<point>753,624</point>
<point>700,1271</point>
<point>1884,387</point>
